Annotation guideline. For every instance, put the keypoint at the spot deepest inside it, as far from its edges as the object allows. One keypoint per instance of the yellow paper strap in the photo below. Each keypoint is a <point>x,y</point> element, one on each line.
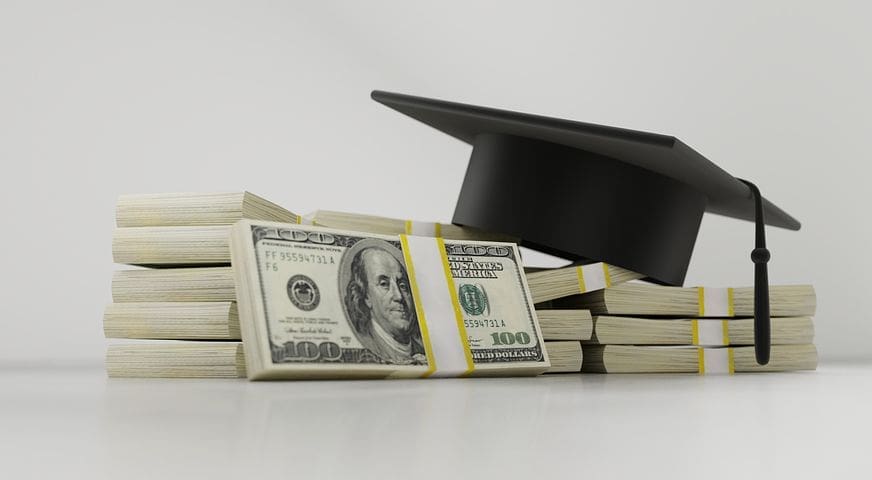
<point>419,308</point>
<point>731,308</point>
<point>423,229</point>
<point>705,333</point>
<point>716,361</point>
<point>580,274</point>
<point>455,302</point>
<point>718,302</point>
<point>592,277</point>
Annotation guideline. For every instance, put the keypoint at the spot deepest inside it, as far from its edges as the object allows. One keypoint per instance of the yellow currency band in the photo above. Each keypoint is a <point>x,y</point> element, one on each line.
<point>419,308</point>
<point>726,326</point>
<point>464,337</point>
<point>437,228</point>
<point>582,284</point>
<point>694,327</point>
<point>730,308</point>
<point>731,361</point>
<point>580,275</point>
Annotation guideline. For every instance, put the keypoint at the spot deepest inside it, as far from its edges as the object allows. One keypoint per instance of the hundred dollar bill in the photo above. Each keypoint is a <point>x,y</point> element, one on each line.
<point>323,303</point>
<point>394,226</point>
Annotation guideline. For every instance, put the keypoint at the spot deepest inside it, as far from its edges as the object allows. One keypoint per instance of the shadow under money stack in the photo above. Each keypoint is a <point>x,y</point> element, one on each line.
<point>640,328</point>
<point>179,314</point>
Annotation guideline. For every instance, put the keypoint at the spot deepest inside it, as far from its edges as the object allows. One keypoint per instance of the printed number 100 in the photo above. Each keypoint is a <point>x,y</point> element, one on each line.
<point>509,338</point>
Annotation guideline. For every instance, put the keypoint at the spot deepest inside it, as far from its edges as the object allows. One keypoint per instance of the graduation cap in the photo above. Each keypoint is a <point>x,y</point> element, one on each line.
<point>590,192</point>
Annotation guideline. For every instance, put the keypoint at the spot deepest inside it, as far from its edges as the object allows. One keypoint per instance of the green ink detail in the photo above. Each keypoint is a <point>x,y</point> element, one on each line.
<point>473,299</point>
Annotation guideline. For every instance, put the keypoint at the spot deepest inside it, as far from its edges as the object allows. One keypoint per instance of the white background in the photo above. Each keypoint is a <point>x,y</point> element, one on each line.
<point>103,98</point>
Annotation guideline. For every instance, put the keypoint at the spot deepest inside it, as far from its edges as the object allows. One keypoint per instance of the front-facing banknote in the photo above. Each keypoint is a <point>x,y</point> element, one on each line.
<point>322,303</point>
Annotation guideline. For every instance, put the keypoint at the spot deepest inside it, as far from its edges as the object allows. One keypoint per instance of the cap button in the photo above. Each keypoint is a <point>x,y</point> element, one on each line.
<point>760,255</point>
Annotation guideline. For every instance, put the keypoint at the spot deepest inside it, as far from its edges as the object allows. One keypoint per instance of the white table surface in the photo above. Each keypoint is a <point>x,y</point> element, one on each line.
<point>76,423</point>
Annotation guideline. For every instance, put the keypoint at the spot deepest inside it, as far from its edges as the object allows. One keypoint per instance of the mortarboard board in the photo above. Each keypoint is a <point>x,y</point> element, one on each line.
<point>592,192</point>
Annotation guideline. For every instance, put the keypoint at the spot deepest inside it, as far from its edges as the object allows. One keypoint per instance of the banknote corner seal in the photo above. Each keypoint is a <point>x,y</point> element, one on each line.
<point>303,293</point>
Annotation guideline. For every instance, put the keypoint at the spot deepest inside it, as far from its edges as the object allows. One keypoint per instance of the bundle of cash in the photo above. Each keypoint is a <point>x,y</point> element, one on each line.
<point>189,305</point>
<point>639,328</point>
<point>172,229</point>
<point>323,303</point>
<point>291,297</point>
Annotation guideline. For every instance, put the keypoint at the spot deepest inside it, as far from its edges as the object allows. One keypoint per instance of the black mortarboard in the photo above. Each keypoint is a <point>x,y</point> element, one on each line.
<point>592,192</point>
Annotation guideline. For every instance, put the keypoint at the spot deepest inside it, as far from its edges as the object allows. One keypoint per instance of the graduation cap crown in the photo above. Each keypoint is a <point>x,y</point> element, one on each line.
<point>591,192</point>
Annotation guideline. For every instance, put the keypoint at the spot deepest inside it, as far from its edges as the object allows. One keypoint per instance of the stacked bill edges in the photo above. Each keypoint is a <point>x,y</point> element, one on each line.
<point>174,313</point>
<point>640,328</point>
<point>176,309</point>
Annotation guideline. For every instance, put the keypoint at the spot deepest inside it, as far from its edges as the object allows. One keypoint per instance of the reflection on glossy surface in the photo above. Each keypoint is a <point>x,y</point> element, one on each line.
<point>75,422</point>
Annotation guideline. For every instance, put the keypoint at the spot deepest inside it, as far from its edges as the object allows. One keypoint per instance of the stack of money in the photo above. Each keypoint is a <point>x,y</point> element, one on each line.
<point>640,328</point>
<point>177,309</point>
<point>171,293</point>
<point>643,328</point>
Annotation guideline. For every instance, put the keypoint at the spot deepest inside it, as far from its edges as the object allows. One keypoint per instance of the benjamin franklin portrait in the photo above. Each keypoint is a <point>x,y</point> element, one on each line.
<point>378,301</point>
